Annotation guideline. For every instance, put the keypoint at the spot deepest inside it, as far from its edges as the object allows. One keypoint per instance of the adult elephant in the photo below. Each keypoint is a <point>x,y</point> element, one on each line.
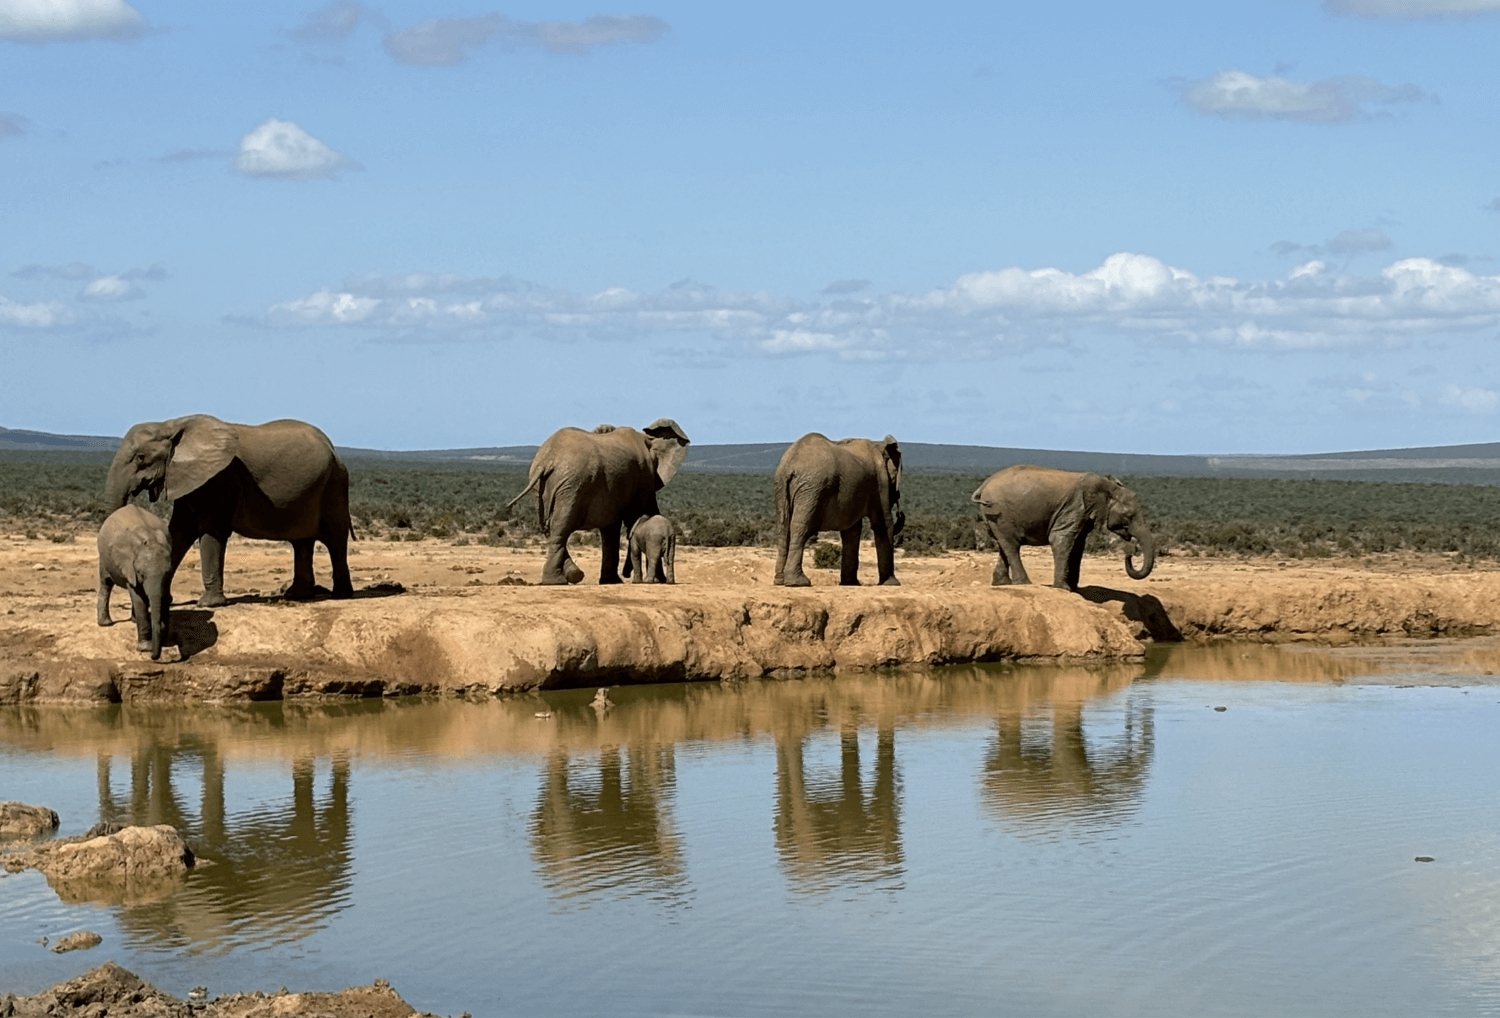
<point>826,485</point>
<point>1040,505</point>
<point>586,480</point>
<point>278,482</point>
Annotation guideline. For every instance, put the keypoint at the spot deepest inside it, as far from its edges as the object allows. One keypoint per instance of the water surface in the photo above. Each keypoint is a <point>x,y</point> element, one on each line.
<point>985,840</point>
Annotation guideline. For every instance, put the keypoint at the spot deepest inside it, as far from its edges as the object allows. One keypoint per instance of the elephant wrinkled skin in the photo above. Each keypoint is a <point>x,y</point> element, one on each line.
<point>599,479</point>
<point>826,485</point>
<point>279,481</point>
<point>1040,505</point>
<point>135,552</point>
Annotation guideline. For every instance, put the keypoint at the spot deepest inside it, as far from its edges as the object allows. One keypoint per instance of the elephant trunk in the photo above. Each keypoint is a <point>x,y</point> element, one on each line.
<point>158,593</point>
<point>117,482</point>
<point>1147,542</point>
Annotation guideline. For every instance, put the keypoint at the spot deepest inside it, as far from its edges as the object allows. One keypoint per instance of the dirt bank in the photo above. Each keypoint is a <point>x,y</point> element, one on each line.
<point>467,621</point>
<point>112,990</point>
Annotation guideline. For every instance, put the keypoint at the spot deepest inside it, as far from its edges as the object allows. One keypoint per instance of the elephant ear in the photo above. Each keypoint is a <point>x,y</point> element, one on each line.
<point>668,445</point>
<point>1096,494</point>
<point>893,457</point>
<point>203,446</point>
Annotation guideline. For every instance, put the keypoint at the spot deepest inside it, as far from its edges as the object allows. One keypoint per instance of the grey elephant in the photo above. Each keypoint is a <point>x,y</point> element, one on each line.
<point>586,480</point>
<point>278,482</point>
<point>652,550</point>
<point>135,552</point>
<point>1040,505</point>
<point>826,485</point>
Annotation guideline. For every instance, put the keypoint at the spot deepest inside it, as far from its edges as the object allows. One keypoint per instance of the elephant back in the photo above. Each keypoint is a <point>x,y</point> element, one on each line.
<point>287,458</point>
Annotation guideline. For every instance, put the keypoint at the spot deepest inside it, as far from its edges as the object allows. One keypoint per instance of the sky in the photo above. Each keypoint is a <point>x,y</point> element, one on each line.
<point>1247,226</point>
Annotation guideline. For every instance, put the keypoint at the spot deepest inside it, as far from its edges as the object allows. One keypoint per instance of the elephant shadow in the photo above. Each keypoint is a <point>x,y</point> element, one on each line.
<point>194,631</point>
<point>1143,609</point>
<point>385,588</point>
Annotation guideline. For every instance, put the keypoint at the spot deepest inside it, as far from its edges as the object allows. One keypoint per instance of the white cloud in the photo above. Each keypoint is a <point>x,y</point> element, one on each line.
<point>446,41</point>
<point>1474,400</point>
<point>43,315</point>
<point>1238,94</point>
<point>111,288</point>
<point>1432,9</point>
<point>70,270</point>
<point>280,150</point>
<point>981,314</point>
<point>40,21</point>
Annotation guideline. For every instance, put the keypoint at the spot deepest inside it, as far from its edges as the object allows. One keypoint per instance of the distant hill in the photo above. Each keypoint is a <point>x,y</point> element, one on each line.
<point>1447,464</point>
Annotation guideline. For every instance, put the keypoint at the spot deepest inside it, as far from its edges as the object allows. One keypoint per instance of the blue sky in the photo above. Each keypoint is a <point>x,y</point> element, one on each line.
<point>1265,226</point>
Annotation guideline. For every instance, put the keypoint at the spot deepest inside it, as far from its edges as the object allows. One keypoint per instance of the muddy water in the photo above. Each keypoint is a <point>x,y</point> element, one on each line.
<point>1018,840</point>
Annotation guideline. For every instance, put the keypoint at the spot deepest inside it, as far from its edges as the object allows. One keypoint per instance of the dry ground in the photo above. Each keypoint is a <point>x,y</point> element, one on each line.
<point>470,620</point>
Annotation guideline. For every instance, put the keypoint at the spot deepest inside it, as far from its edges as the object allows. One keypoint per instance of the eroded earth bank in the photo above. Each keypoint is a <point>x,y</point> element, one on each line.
<point>441,618</point>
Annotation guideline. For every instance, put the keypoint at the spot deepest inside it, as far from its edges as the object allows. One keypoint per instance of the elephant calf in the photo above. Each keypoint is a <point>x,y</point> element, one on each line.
<point>652,550</point>
<point>135,552</point>
<point>1040,505</point>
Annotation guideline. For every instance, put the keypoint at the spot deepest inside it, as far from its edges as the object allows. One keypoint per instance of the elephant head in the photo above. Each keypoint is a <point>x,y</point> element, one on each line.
<point>668,448</point>
<point>175,457</point>
<point>1113,506</point>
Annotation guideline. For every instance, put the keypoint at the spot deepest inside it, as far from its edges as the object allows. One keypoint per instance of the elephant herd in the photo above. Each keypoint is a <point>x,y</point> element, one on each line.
<point>283,481</point>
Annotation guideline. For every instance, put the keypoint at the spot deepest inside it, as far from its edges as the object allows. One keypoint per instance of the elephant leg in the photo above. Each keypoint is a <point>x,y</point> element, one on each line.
<point>885,557</point>
<point>1062,552</point>
<point>1009,568</point>
<point>609,547</point>
<point>105,586</point>
<point>801,528</point>
<point>558,565</point>
<point>669,561</point>
<point>211,552</point>
<point>849,558</point>
<point>1075,561</point>
<point>142,614</point>
<point>337,544</point>
<point>302,571</point>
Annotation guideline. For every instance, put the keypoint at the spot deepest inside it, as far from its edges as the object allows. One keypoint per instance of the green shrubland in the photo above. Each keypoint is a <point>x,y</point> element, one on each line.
<point>56,495</point>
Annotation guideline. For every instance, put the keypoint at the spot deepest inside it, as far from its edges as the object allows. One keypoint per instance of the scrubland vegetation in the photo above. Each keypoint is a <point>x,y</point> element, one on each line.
<point>57,496</point>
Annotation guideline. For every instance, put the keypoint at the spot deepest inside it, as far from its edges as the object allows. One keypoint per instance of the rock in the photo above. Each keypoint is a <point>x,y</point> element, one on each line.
<point>601,701</point>
<point>1221,709</point>
<point>112,990</point>
<point>19,820</point>
<point>80,941</point>
<point>130,866</point>
<point>1424,858</point>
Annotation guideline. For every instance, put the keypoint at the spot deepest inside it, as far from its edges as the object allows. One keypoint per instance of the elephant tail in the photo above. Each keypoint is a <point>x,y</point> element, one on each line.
<point>525,491</point>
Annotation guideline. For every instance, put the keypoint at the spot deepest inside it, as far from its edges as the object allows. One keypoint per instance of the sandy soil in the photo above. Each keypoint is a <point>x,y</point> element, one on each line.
<point>468,619</point>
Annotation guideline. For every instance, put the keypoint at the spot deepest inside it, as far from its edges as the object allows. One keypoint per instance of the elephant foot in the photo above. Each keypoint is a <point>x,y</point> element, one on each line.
<point>849,583</point>
<point>555,580</point>
<point>574,575</point>
<point>106,621</point>
<point>890,581</point>
<point>143,645</point>
<point>606,580</point>
<point>343,591</point>
<point>212,599</point>
<point>796,581</point>
<point>300,593</point>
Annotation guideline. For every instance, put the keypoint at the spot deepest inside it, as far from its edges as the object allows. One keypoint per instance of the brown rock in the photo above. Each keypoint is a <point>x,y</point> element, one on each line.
<point>132,865</point>
<point>80,941</point>
<point>18,820</point>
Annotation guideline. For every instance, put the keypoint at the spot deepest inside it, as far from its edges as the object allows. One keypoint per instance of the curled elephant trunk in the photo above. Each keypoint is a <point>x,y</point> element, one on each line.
<point>1147,544</point>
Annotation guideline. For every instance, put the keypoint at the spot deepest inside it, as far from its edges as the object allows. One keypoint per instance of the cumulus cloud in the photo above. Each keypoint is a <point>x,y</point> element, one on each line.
<point>45,315</point>
<point>329,23</point>
<point>981,314</point>
<point>1431,9</point>
<point>446,41</point>
<point>109,289</point>
<point>1474,400</point>
<point>42,21</point>
<point>1240,95</point>
<point>13,125</point>
<point>280,150</point>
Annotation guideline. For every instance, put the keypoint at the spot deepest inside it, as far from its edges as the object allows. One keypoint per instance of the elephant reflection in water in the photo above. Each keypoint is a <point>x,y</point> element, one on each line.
<point>1041,768</point>
<point>274,874</point>
<point>831,827</point>
<point>609,828</point>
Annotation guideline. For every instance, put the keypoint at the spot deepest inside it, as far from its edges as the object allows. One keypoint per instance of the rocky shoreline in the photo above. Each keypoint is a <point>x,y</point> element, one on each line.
<point>469,634</point>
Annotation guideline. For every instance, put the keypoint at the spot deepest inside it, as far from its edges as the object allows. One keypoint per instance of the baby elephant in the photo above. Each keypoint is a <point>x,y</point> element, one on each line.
<point>652,550</point>
<point>136,553</point>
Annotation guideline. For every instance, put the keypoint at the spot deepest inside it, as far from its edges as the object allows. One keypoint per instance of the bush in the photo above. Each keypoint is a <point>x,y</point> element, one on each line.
<point>827,556</point>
